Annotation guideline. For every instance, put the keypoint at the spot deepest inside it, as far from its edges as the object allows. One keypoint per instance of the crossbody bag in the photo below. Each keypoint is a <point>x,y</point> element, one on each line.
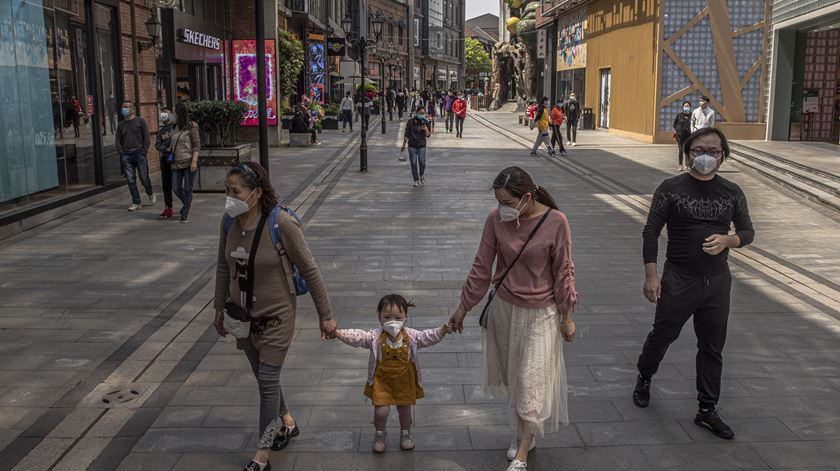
<point>482,321</point>
<point>237,319</point>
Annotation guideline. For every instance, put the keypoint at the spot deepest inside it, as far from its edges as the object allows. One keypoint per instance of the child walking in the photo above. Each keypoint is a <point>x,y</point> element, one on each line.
<point>394,377</point>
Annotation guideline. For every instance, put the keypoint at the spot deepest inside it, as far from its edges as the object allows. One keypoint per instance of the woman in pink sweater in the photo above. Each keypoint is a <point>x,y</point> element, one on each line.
<point>532,308</point>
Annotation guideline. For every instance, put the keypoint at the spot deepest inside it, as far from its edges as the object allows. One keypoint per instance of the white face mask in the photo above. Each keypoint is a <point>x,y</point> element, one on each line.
<point>393,327</point>
<point>164,117</point>
<point>704,164</point>
<point>508,213</point>
<point>237,207</point>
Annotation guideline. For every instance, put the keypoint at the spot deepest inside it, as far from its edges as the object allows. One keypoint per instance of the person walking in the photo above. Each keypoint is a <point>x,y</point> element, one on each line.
<point>572,112</point>
<point>459,109</point>
<point>254,276</point>
<point>132,144</point>
<point>111,109</point>
<point>431,111</point>
<point>186,144</point>
<point>400,102</point>
<point>703,116</point>
<point>448,101</point>
<point>163,144</point>
<point>682,129</point>
<point>541,117</point>
<point>699,207</point>
<point>557,117</point>
<point>415,135</point>
<point>530,309</point>
<point>347,112</point>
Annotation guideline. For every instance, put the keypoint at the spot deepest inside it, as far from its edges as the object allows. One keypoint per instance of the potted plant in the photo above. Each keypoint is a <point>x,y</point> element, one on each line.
<point>331,112</point>
<point>290,48</point>
<point>218,121</point>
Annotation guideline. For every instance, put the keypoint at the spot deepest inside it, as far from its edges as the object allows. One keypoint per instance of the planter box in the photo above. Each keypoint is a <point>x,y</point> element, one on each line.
<point>329,122</point>
<point>286,121</point>
<point>214,163</point>
<point>300,139</point>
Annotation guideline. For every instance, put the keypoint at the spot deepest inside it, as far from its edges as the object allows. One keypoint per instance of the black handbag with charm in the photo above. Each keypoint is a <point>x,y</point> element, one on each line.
<point>237,319</point>
<point>482,321</point>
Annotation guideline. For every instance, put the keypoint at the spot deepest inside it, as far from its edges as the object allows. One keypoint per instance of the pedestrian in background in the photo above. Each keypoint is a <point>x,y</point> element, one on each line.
<point>415,135</point>
<point>682,129</point>
<point>249,262</point>
<point>163,144</point>
<point>703,116</point>
<point>186,144</point>
<point>526,255</point>
<point>431,111</point>
<point>541,117</point>
<point>699,207</point>
<point>347,112</point>
<point>572,112</point>
<point>459,109</point>
<point>132,142</point>
<point>400,102</point>
<point>394,375</point>
<point>450,115</point>
<point>556,132</point>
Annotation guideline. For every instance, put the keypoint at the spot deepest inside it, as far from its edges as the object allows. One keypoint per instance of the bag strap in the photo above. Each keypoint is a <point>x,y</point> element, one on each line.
<point>530,236</point>
<point>255,245</point>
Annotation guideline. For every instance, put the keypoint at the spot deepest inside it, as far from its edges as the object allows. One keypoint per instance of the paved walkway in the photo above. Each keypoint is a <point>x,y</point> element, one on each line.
<point>121,307</point>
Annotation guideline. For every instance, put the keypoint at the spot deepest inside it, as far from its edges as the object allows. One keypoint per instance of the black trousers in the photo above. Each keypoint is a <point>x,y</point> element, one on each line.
<point>557,137</point>
<point>683,296</point>
<point>166,180</point>
<point>571,130</point>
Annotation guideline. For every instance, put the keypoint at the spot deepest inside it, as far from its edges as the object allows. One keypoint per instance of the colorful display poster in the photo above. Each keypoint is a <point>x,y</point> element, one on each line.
<point>571,45</point>
<point>245,80</point>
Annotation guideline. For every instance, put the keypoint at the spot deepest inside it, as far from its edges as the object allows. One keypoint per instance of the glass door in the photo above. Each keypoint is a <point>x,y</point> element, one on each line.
<point>109,92</point>
<point>606,79</point>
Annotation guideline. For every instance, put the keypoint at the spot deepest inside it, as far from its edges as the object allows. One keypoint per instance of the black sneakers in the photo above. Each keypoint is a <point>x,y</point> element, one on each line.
<point>284,436</point>
<point>710,419</point>
<point>254,466</point>
<point>641,395</point>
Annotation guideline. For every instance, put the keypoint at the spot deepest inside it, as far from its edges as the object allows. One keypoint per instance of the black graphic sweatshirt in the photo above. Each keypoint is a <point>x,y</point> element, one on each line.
<point>694,210</point>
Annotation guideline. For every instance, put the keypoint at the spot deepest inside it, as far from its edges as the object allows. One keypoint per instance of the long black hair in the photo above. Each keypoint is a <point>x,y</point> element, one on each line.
<point>519,183</point>
<point>541,108</point>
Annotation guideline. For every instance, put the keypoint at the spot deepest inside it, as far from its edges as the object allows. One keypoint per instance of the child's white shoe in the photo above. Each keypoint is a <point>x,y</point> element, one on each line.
<point>406,440</point>
<point>511,452</point>
<point>379,441</point>
<point>517,465</point>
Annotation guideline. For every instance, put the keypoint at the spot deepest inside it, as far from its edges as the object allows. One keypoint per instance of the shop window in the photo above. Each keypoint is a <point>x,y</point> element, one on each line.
<point>401,33</point>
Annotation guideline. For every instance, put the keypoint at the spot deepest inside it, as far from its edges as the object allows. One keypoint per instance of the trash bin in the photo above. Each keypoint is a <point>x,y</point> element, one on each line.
<point>588,120</point>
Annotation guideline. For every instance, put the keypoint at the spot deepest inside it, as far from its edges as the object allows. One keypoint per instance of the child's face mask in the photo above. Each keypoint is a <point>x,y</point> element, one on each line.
<point>393,328</point>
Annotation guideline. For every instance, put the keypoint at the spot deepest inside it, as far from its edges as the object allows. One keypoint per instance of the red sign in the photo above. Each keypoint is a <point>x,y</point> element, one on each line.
<point>89,103</point>
<point>245,80</point>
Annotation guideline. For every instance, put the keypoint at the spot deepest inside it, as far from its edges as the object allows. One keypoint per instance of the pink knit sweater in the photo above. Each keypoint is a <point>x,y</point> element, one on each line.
<point>543,276</point>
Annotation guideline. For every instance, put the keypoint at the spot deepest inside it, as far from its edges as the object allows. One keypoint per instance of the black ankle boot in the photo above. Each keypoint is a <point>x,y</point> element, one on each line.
<point>641,394</point>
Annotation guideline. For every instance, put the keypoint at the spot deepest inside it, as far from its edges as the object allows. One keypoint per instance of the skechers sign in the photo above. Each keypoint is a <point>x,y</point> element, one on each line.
<point>199,39</point>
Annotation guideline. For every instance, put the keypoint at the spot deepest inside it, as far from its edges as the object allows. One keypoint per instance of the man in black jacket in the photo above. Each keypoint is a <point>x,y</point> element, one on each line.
<point>682,129</point>
<point>699,207</point>
<point>416,132</point>
<point>133,142</point>
<point>572,111</point>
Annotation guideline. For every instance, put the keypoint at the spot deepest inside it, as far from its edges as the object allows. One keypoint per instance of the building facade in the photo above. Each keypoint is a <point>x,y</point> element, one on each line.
<point>803,89</point>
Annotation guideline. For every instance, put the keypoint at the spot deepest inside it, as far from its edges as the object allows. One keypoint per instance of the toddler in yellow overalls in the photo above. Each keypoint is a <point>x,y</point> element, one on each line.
<point>394,377</point>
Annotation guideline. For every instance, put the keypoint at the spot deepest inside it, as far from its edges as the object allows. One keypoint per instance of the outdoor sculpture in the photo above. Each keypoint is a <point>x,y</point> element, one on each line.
<point>516,60</point>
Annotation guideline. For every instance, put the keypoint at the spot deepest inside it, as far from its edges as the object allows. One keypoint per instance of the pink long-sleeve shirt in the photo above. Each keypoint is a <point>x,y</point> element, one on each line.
<point>543,276</point>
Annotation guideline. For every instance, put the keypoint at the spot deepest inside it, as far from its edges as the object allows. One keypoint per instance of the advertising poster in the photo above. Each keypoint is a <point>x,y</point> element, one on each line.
<point>571,45</point>
<point>245,80</point>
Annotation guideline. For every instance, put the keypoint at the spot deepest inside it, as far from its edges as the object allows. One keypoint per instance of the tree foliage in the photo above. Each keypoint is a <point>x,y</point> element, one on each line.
<point>291,54</point>
<point>476,57</point>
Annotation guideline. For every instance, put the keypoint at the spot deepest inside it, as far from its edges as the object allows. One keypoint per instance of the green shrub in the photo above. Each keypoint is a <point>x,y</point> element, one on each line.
<point>218,119</point>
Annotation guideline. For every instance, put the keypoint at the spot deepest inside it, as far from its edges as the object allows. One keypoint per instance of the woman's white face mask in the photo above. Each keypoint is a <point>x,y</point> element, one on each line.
<point>237,207</point>
<point>512,213</point>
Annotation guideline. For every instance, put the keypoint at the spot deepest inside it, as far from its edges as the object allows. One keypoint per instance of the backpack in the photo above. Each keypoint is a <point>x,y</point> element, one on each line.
<point>274,230</point>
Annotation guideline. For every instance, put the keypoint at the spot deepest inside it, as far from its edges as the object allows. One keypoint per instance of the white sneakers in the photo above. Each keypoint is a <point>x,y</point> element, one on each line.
<point>511,452</point>
<point>517,465</point>
<point>135,207</point>
<point>153,198</point>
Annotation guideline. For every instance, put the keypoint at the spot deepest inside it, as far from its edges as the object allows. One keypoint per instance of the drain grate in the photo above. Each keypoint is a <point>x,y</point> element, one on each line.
<point>120,396</point>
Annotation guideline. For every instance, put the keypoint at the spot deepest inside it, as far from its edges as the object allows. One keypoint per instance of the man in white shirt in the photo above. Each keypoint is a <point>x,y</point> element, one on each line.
<point>704,116</point>
<point>347,112</point>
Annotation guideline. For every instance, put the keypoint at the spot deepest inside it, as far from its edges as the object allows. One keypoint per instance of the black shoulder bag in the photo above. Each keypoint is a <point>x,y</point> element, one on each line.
<point>234,313</point>
<point>482,321</point>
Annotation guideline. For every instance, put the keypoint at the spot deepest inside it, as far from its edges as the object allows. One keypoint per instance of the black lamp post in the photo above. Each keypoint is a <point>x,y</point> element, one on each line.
<point>153,28</point>
<point>390,78</point>
<point>361,44</point>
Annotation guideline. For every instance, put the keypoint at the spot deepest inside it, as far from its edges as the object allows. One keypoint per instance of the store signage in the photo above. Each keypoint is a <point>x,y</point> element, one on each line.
<point>442,75</point>
<point>416,72</point>
<point>571,45</point>
<point>453,75</point>
<point>811,101</point>
<point>89,104</point>
<point>335,46</point>
<point>542,40</point>
<point>245,80</point>
<point>199,39</point>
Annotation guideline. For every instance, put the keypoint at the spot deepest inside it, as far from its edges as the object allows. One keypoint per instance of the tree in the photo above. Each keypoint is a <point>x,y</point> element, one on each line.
<point>476,57</point>
<point>290,51</point>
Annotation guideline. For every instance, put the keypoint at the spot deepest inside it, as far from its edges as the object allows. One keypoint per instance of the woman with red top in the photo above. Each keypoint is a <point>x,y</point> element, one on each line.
<point>459,107</point>
<point>532,308</point>
<point>557,117</point>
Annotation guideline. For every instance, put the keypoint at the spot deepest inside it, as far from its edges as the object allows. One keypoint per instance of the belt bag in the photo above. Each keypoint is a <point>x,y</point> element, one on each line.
<point>237,319</point>
<point>482,321</point>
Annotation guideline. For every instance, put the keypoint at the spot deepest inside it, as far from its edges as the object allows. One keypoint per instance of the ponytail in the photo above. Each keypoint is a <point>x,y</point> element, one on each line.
<point>518,183</point>
<point>253,175</point>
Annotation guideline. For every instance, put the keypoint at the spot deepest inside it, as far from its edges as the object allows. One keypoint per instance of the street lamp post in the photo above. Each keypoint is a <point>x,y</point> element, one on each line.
<point>361,44</point>
<point>390,78</point>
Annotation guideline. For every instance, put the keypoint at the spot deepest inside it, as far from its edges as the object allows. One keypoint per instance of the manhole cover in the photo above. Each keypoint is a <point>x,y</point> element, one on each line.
<point>120,396</point>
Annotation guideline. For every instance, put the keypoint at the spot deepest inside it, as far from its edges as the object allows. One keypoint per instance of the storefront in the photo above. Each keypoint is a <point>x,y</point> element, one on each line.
<point>61,71</point>
<point>805,77</point>
<point>571,55</point>
<point>193,63</point>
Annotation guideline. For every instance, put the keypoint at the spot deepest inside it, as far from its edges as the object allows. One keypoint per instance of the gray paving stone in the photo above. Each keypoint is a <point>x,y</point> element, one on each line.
<point>746,430</point>
<point>814,428</point>
<point>326,440</point>
<point>581,459</point>
<point>226,461</point>
<point>786,386</point>
<point>718,456</point>
<point>499,437</point>
<point>353,461</point>
<point>631,433</point>
<point>425,438</point>
<point>459,460</point>
<point>181,417</point>
<point>801,454</point>
<point>199,440</point>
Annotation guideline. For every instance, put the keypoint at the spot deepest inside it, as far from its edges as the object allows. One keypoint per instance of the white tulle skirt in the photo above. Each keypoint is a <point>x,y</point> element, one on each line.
<point>524,363</point>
